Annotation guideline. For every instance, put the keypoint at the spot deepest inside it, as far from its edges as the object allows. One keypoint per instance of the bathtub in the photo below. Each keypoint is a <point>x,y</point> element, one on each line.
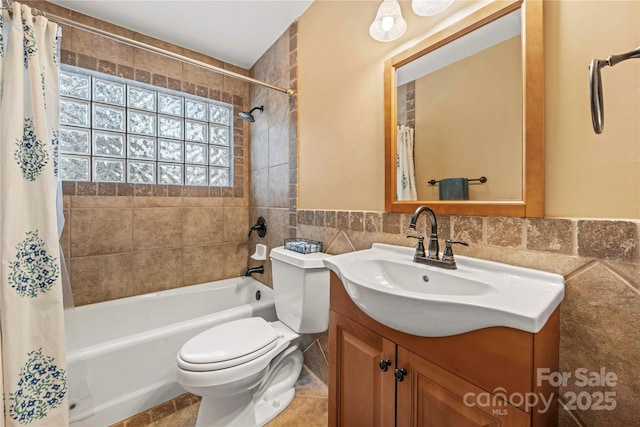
<point>126,348</point>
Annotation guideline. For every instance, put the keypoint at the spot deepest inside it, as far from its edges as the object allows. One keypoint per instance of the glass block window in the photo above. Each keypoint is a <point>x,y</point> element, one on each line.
<point>121,131</point>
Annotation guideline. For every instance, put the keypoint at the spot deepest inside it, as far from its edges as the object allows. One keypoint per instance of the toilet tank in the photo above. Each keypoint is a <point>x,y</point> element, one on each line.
<point>301,290</point>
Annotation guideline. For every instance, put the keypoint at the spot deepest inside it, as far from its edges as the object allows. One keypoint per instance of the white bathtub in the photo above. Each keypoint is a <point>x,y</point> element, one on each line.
<point>127,348</point>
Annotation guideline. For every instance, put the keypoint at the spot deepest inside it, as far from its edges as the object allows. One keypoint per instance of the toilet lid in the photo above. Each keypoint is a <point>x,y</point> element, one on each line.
<point>229,344</point>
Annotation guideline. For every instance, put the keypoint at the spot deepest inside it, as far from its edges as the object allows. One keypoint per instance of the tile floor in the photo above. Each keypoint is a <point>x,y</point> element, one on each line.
<point>308,409</point>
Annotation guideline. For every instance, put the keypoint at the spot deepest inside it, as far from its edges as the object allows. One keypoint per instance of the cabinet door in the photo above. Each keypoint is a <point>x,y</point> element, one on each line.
<point>430,396</point>
<point>361,392</point>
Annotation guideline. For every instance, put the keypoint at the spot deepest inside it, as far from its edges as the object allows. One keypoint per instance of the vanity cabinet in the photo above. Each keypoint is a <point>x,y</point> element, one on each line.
<point>381,377</point>
<point>364,380</point>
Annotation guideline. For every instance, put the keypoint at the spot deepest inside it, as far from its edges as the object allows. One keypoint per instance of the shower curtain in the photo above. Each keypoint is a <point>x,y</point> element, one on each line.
<point>406,177</point>
<point>32,350</point>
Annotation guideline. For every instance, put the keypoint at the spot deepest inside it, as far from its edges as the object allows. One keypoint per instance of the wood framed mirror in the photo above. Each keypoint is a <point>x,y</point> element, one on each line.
<point>526,141</point>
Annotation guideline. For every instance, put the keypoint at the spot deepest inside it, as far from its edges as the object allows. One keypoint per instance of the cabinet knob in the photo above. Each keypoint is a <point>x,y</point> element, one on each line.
<point>384,364</point>
<point>400,373</point>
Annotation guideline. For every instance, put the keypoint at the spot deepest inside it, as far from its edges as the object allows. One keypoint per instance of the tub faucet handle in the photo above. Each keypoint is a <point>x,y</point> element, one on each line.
<point>260,227</point>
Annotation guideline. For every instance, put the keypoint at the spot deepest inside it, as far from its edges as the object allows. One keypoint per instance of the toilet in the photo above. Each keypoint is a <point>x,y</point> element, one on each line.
<point>245,370</point>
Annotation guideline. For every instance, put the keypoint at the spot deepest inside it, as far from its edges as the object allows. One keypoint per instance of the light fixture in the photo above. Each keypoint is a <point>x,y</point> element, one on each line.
<point>389,24</point>
<point>429,7</point>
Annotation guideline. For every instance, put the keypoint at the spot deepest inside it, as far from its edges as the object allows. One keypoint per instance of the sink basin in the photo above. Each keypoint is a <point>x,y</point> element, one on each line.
<point>428,301</point>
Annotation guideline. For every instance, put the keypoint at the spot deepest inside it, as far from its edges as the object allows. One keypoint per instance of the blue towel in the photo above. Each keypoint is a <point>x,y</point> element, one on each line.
<point>454,189</point>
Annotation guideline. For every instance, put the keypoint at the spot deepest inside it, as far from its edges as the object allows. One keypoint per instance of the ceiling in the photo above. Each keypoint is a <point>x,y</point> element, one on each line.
<point>234,31</point>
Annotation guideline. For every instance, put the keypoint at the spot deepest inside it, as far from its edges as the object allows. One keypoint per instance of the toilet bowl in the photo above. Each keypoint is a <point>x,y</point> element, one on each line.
<point>246,370</point>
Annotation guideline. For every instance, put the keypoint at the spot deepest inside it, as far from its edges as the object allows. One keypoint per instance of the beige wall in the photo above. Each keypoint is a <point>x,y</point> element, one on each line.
<point>587,174</point>
<point>464,114</point>
<point>341,107</point>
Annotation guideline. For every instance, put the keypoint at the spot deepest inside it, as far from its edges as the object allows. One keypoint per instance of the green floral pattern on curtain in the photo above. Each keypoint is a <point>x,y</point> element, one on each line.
<point>34,270</point>
<point>31,153</point>
<point>1,36</point>
<point>29,41</point>
<point>42,386</point>
<point>55,149</point>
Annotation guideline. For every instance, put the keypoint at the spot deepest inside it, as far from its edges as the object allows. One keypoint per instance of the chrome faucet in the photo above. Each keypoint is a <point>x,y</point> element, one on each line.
<point>431,257</point>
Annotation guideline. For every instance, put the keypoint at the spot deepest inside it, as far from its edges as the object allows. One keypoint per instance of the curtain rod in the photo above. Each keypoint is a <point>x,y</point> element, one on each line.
<point>131,42</point>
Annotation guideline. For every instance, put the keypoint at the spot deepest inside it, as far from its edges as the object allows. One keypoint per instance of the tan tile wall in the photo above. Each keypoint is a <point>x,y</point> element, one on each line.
<point>600,261</point>
<point>273,146</point>
<point>122,239</point>
<point>118,246</point>
<point>406,104</point>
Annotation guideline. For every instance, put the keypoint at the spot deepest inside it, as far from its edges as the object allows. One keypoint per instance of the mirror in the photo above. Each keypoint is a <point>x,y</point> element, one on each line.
<point>464,103</point>
<point>470,99</point>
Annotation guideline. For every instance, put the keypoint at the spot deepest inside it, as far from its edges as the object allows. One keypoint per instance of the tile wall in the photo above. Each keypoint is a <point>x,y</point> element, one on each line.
<point>406,104</point>
<point>599,259</point>
<point>118,246</point>
<point>273,148</point>
<point>122,239</point>
<point>273,145</point>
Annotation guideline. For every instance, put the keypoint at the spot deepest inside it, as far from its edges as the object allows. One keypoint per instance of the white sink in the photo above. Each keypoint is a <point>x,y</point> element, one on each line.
<point>427,301</point>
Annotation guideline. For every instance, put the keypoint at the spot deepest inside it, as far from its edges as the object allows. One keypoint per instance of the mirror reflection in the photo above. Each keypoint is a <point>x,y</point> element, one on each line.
<point>460,118</point>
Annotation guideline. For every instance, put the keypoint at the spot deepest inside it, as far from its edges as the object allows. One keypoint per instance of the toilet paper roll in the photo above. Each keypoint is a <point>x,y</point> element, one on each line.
<point>261,252</point>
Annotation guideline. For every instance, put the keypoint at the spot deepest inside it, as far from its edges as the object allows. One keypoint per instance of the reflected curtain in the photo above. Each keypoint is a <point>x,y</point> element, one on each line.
<point>32,342</point>
<point>406,177</point>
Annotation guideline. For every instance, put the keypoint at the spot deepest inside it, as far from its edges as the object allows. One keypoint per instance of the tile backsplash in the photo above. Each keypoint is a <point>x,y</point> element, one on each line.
<point>599,259</point>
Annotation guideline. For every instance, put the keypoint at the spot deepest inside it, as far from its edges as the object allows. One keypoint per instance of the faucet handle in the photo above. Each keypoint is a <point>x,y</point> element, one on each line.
<point>447,254</point>
<point>419,246</point>
<point>260,227</point>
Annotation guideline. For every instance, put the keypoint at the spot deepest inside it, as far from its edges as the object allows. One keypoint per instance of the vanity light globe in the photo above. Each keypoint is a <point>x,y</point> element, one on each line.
<point>389,24</point>
<point>430,7</point>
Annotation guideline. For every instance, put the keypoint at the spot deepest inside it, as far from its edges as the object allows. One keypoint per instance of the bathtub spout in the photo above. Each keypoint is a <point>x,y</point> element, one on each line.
<point>250,271</point>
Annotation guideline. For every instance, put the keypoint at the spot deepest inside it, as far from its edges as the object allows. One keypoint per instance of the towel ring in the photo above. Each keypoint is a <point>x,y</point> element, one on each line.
<point>595,85</point>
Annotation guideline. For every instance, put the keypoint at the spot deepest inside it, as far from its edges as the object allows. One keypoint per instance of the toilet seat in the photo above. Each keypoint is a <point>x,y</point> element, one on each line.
<point>228,345</point>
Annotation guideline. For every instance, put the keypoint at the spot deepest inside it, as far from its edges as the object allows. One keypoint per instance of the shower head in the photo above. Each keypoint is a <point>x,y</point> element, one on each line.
<point>249,116</point>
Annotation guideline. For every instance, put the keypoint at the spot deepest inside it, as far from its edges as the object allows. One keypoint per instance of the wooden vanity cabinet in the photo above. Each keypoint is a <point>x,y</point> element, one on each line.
<point>381,377</point>
<point>366,391</point>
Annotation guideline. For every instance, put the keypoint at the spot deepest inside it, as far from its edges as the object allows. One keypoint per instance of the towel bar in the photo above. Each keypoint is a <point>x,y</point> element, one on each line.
<point>482,180</point>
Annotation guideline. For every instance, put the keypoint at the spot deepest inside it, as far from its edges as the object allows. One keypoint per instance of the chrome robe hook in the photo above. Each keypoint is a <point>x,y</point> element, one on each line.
<point>595,85</point>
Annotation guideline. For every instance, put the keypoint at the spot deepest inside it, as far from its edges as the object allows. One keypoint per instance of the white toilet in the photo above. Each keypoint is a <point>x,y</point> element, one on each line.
<point>245,370</point>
